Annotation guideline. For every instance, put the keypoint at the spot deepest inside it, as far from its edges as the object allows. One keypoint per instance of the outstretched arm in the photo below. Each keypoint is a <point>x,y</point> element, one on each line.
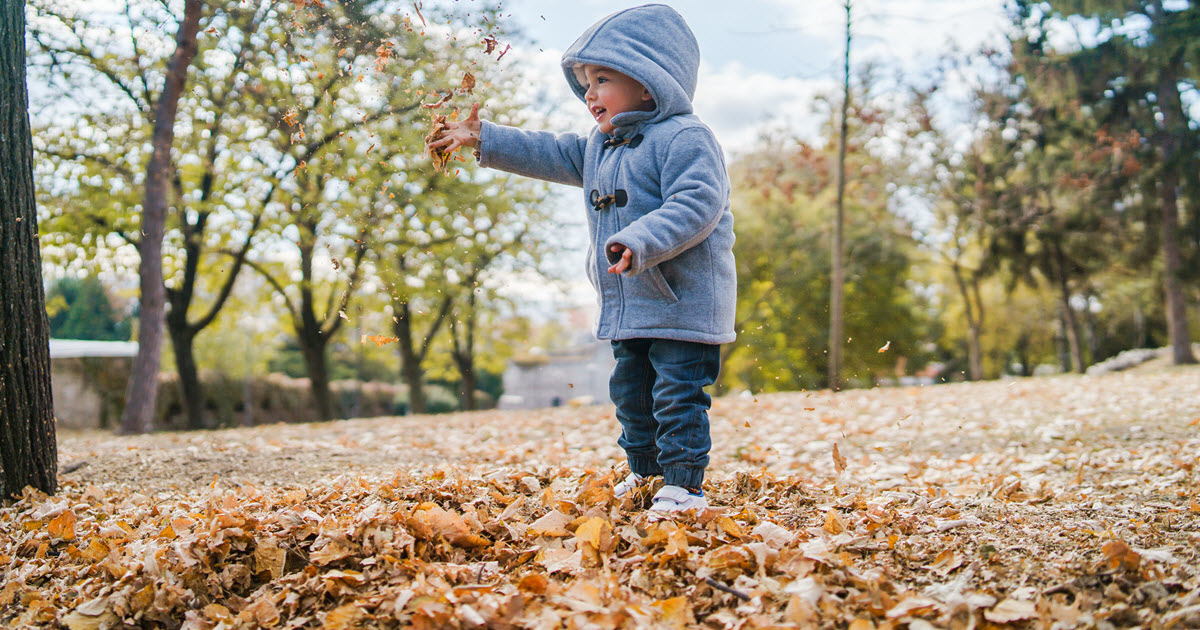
<point>540,154</point>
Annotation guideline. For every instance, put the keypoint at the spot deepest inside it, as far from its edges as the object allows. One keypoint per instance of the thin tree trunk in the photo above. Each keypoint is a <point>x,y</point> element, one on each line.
<point>410,364</point>
<point>28,448</point>
<point>973,309</point>
<point>468,382</point>
<point>1070,323</point>
<point>837,281</point>
<point>142,395</point>
<point>464,353</point>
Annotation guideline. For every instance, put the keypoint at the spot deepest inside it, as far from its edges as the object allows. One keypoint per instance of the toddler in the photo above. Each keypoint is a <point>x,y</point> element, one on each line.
<point>661,249</point>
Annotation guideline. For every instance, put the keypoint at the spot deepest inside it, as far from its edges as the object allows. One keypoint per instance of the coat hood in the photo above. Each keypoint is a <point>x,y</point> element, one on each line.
<point>650,43</point>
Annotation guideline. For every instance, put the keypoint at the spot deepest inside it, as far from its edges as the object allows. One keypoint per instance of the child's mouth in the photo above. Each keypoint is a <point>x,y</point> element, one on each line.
<point>598,112</point>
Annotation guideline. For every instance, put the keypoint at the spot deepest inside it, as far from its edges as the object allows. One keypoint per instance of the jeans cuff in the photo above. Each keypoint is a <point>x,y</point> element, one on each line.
<point>683,476</point>
<point>644,465</point>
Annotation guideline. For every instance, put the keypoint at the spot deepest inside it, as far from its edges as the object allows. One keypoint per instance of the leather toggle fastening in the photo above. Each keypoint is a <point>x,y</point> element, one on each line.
<point>612,143</point>
<point>619,198</point>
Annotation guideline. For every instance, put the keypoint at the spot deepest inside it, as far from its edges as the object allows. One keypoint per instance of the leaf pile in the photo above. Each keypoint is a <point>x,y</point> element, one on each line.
<point>1065,502</point>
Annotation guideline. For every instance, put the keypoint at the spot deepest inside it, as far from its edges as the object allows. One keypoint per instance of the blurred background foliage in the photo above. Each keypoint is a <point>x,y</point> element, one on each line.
<point>1051,218</point>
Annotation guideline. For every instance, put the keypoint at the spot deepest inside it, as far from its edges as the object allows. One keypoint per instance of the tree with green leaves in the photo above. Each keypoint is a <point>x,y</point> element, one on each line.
<point>1132,72</point>
<point>120,155</point>
<point>79,308</point>
<point>783,195</point>
<point>28,451</point>
<point>374,208</point>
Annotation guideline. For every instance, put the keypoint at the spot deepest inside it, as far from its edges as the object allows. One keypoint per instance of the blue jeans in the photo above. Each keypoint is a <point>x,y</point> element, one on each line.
<point>658,387</point>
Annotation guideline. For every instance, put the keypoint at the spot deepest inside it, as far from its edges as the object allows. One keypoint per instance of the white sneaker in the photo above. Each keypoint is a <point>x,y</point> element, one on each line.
<point>676,499</point>
<point>631,483</point>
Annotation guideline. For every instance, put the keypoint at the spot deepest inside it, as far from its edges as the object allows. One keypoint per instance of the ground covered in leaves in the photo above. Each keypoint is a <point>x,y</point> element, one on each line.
<point>1040,503</point>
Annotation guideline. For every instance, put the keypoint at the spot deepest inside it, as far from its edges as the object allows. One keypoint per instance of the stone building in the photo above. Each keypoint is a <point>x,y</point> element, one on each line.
<point>88,379</point>
<point>540,379</point>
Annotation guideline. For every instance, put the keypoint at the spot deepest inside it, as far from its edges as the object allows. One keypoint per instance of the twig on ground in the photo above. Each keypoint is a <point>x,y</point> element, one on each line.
<point>725,589</point>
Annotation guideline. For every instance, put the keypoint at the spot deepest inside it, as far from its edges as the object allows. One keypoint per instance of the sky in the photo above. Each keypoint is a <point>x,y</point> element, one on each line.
<point>764,61</point>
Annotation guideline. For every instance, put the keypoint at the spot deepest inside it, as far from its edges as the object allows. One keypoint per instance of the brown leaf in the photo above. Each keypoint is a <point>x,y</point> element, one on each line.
<point>596,490</point>
<point>834,523</point>
<point>270,558</point>
<point>382,340</point>
<point>1011,610</point>
<point>535,583</point>
<point>332,552</point>
<point>674,612</point>
<point>593,537</point>
<point>262,612</point>
<point>1119,555</point>
<point>342,617</point>
<point>554,523</point>
<point>730,526</point>
<point>839,462</point>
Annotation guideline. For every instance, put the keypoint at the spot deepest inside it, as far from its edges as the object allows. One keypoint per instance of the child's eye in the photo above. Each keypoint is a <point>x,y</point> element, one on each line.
<point>601,80</point>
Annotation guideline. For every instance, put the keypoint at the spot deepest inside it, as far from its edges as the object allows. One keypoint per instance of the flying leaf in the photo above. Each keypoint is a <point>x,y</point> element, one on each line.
<point>839,462</point>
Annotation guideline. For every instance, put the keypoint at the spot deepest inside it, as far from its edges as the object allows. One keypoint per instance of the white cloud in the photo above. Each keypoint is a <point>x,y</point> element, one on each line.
<point>739,103</point>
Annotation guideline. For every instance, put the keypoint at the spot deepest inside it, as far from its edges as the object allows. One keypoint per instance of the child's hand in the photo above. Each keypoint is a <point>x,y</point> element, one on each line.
<point>464,133</point>
<point>624,262</point>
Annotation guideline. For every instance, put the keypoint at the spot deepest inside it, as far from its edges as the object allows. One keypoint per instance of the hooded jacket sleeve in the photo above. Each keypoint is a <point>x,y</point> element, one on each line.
<point>540,154</point>
<point>695,196</point>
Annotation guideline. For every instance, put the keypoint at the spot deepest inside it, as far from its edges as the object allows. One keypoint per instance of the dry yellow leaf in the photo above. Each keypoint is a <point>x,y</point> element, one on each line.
<point>63,526</point>
<point>730,526</point>
<point>674,612</point>
<point>834,523</point>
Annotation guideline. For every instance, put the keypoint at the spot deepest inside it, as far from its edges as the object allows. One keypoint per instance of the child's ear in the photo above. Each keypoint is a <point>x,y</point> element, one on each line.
<point>646,98</point>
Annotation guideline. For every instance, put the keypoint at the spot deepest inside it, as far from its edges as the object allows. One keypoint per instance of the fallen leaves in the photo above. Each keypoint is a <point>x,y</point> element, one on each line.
<point>975,510</point>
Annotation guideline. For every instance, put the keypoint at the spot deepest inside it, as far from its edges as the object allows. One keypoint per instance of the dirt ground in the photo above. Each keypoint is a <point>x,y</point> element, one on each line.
<point>1054,502</point>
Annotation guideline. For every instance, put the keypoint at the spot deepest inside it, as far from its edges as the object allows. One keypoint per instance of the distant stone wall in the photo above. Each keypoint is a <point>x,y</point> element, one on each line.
<point>274,398</point>
<point>89,393</point>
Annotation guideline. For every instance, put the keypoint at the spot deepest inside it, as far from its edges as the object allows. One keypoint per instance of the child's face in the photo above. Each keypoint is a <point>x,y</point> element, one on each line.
<point>610,93</point>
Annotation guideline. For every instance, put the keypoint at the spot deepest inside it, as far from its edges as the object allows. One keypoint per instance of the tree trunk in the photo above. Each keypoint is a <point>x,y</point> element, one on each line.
<point>1070,324</point>
<point>28,449</point>
<point>142,395</point>
<point>412,356</point>
<point>313,348</point>
<point>410,362</point>
<point>973,309</point>
<point>464,352</point>
<point>468,382</point>
<point>837,281</point>
<point>191,391</point>
<point>1176,306</point>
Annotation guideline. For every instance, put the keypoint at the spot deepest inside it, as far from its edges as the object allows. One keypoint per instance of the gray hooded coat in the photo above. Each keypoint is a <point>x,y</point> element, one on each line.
<point>663,193</point>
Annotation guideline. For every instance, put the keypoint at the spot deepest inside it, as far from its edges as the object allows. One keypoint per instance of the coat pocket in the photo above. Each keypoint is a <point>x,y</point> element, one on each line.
<point>656,278</point>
